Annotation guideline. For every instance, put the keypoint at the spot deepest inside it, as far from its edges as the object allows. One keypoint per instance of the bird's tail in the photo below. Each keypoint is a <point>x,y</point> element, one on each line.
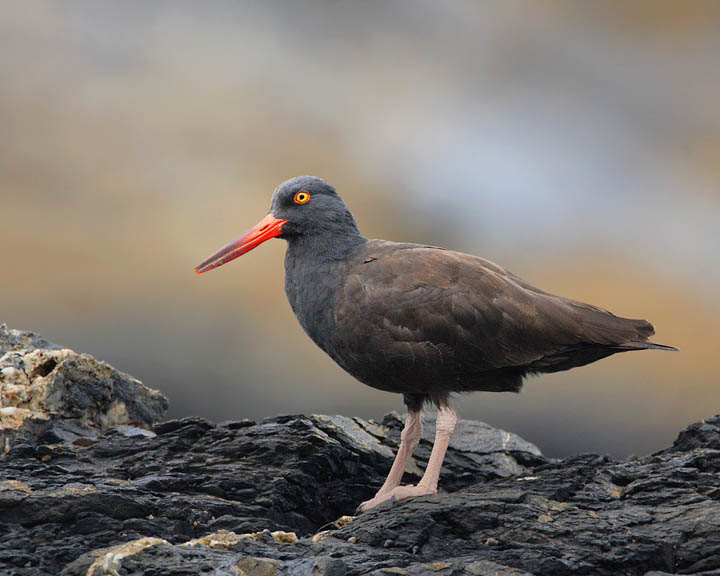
<point>617,332</point>
<point>645,345</point>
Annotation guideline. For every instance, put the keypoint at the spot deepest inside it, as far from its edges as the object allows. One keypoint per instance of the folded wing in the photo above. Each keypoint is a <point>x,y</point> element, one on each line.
<point>448,319</point>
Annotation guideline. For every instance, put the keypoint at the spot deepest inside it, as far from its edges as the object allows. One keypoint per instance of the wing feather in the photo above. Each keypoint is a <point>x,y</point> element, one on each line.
<point>442,315</point>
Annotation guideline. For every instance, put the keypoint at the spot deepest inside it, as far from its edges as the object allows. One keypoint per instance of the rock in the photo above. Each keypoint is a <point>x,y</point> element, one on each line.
<point>14,340</point>
<point>204,497</point>
<point>195,484</point>
<point>41,383</point>
<point>81,497</point>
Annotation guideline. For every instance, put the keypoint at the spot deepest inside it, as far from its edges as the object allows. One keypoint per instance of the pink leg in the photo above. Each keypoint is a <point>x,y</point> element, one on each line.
<point>444,427</point>
<point>409,438</point>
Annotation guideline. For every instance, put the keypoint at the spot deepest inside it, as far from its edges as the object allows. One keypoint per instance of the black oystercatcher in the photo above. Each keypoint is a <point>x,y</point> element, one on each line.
<point>419,320</point>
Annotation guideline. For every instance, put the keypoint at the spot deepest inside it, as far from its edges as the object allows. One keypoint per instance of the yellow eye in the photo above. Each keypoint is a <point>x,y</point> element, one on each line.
<point>301,197</point>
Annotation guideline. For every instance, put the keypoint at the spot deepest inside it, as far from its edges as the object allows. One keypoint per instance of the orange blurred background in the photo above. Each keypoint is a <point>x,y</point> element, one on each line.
<point>576,144</point>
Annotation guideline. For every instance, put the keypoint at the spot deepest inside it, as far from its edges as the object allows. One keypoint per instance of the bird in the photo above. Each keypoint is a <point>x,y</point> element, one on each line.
<point>422,321</point>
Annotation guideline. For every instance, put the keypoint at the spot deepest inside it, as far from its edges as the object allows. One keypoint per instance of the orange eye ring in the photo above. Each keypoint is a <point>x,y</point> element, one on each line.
<point>301,196</point>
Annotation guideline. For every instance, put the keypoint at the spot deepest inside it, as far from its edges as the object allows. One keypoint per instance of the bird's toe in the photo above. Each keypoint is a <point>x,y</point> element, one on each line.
<point>361,508</point>
<point>370,504</point>
<point>403,492</point>
<point>394,495</point>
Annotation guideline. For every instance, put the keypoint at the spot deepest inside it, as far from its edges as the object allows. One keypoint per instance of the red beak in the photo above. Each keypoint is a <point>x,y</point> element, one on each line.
<point>267,228</point>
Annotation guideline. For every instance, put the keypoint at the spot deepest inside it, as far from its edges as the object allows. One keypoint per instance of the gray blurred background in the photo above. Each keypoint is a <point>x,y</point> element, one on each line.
<point>575,143</point>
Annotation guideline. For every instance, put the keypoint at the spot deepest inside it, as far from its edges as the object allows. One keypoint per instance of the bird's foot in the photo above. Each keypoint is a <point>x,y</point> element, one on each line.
<point>398,493</point>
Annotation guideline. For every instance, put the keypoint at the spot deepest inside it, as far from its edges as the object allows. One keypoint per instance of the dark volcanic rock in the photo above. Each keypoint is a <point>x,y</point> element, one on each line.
<point>192,497</point>
<point>67,492</point>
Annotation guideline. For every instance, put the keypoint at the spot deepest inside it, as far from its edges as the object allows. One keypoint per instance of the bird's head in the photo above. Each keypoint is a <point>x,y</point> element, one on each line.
<point>303,209</point>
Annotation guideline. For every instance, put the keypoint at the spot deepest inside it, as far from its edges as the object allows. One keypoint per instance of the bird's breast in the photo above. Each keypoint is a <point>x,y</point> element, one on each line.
<point>311,289</point>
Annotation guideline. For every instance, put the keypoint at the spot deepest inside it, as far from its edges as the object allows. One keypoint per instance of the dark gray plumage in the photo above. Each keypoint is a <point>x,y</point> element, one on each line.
<point>425,321</point>
<point>422,321</point>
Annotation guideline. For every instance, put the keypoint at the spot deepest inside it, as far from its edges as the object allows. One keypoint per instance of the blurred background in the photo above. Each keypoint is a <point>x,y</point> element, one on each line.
<point>575,143</point>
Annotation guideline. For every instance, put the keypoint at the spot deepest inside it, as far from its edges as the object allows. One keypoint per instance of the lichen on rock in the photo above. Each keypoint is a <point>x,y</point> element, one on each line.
<point>39,379</point>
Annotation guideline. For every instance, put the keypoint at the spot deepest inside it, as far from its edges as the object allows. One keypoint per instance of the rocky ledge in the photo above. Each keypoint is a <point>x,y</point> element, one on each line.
<point>91,485</point>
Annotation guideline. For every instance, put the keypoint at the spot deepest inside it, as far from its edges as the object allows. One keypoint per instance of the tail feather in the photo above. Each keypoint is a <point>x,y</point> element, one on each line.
<point>644,345</point>
<point>604,328</point>
<point>599,334</point>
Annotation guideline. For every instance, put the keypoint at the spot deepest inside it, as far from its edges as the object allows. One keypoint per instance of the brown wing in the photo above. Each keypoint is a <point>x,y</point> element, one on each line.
<point>413,316</point>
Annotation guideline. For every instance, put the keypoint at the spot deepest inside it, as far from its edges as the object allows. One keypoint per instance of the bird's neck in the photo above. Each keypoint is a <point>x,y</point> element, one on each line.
<point>313,269</point>
<point>324,247</point>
